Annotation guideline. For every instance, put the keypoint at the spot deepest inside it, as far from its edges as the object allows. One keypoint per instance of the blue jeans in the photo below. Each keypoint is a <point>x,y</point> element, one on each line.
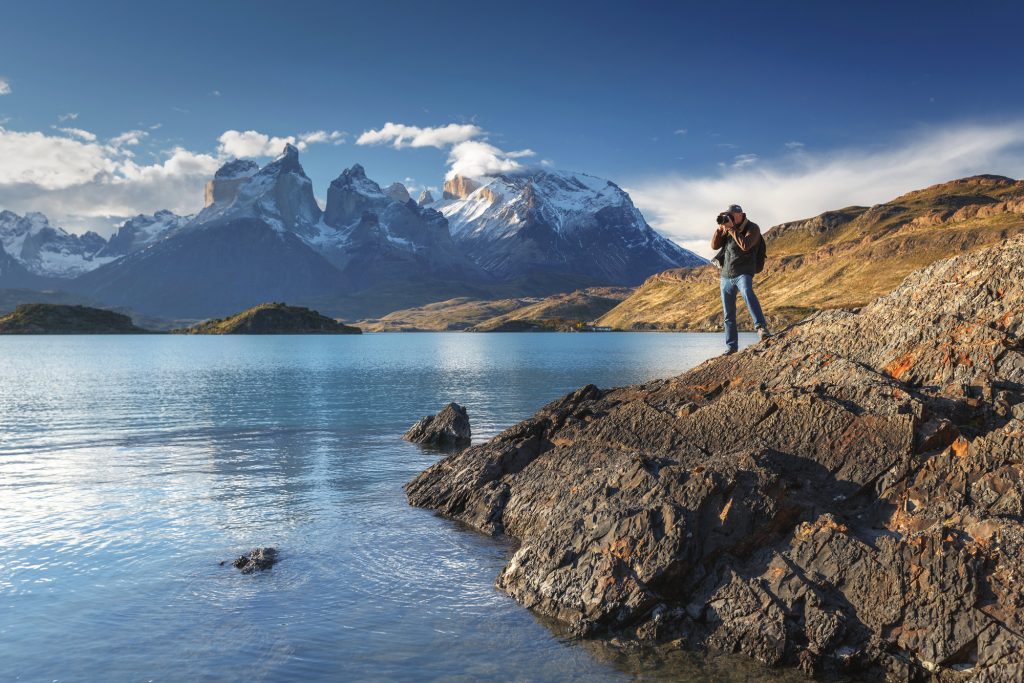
<point>744,284</point>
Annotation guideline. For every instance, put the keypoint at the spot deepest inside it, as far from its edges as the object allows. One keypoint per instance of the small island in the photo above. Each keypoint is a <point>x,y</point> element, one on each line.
<point>272,318</point>
<point>66,319</point>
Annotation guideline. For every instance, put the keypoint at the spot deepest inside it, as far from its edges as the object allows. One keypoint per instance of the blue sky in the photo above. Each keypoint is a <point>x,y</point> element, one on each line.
<point>667,99</point>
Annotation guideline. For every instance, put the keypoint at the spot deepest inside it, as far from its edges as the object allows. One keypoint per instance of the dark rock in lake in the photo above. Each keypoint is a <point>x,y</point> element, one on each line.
<point>848,495</point>
<point>450,427</point>
<point>257,560</point>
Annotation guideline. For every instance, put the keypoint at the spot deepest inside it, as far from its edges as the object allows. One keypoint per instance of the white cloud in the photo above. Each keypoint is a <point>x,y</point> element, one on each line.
<point>79,133</point>
<point>81,183</point>
<point>794,144</point>
<point>681,131</point>
<point>801,184</point>
<point>475,158</point>
<point>70,116</point>
<point>5,87</point>
<point>466,155</point>
<point>399,135</point>
<point>336,137</point>
<point>252,143</point>
<point>744,160</point>
<point>128,138</point>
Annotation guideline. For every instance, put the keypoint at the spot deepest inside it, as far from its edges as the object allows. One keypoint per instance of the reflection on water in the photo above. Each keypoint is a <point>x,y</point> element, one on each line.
<point>131,466</point>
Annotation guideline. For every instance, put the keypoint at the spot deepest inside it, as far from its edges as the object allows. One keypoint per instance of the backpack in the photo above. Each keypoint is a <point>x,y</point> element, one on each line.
<point>761,255</point>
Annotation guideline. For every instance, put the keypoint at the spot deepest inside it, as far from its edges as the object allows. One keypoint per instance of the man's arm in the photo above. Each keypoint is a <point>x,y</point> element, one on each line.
<point>718,239</point>
<point>749,239</point>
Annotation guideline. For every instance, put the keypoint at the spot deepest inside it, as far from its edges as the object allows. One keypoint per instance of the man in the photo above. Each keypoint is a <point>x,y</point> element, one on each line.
<point>737,238</point>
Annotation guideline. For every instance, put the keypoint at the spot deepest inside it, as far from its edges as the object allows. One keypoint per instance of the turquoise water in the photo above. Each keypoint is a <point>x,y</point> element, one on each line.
<point>131,466</point>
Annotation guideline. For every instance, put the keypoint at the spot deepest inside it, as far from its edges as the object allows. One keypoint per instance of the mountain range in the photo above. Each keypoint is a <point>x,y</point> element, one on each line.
<point>261,236</point>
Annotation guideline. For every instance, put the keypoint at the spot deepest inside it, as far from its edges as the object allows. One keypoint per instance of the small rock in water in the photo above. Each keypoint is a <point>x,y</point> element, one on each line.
<point>450,427</point>
<point>258,559</point>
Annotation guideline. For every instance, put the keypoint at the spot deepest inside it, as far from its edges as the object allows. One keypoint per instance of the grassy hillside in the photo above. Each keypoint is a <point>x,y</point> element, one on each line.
<point>273,318</point>
<point>840,259</point>
<point>65,319</point>
<point>558,311</point>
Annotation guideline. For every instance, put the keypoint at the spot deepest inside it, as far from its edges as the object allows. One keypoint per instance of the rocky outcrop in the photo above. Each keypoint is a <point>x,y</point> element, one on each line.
<point>450,427</point>
<point>397,192</point>
<point>459,187</point>
<point>256,560</point>
<point>425,198</point>
<point>224,187</point>
<point>848,495</point>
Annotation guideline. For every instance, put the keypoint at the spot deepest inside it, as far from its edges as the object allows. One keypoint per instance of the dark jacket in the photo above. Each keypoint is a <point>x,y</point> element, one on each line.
<point>738,255</point>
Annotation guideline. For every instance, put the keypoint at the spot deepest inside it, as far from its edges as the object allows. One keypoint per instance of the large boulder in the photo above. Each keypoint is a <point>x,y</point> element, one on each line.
<point>450,427</point>
<point>847,495</point>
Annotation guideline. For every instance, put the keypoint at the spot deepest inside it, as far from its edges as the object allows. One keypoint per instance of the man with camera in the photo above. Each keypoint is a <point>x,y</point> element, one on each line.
<point>740,255</point>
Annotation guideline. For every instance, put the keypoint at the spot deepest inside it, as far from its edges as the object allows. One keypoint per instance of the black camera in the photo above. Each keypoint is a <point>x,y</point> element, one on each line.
<point>723,218</point>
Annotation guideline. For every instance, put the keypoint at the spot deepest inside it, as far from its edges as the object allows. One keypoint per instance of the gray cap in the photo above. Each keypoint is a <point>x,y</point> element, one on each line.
<point>734,208</point>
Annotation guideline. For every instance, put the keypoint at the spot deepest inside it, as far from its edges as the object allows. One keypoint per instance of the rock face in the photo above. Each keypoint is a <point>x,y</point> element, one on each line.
<point>274,318</point>
<point>450,427</point>
<point>848,495</point>
<point>256,560</point>
<point>66,319</point>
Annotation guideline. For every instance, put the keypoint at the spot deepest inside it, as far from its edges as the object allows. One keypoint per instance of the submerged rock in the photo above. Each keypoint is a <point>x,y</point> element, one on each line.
<point>848,495</point>
<point>256,560</point>
<point>450,427</point>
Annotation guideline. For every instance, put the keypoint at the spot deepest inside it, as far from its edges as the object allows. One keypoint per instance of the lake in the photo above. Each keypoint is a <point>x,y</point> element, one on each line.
<point>131,466</point>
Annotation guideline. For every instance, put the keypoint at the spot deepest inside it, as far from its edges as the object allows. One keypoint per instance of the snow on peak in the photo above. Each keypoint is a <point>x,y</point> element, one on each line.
<point>397,193</point>
<point>48,250</point>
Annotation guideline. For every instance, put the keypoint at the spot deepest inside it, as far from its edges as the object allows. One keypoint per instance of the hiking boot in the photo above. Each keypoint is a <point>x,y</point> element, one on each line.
<point>729,352</point>
<point>763,333</point>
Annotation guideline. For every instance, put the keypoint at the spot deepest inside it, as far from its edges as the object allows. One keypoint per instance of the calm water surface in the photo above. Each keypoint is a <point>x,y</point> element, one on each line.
<point>131,466</point>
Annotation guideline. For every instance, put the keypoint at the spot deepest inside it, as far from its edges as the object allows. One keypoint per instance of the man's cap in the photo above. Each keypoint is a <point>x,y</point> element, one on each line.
<point>735,208</point>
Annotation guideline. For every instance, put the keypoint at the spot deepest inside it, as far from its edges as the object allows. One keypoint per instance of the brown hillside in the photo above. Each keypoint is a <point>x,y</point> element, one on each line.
<point>840,259</point>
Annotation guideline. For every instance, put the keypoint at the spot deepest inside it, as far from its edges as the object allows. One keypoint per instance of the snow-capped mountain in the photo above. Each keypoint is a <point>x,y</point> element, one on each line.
<point>47,250</point>
<point>141,231</point>
<point>261,236</point>
<point>372,234</point>
<point>548,221</point>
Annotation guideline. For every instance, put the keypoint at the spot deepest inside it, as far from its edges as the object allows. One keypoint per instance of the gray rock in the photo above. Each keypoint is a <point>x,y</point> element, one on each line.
<point>847,495</point>
<point>450,427</point>
<point>256,560</point>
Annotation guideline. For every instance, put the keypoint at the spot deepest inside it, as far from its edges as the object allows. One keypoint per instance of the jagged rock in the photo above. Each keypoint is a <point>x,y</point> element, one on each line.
<point>425,198</point>
<point>256,560</point>
<point>450,427</point>
<point>847,495</point>
<point>397,192</point>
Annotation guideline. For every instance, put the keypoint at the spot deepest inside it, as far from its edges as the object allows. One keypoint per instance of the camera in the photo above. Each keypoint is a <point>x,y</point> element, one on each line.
<point>723,218</point>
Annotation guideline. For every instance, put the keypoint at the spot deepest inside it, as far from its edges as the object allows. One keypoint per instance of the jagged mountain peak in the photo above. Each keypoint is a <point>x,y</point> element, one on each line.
<point>425,198</point>
<point>237,168</point>
<point>397,192</point>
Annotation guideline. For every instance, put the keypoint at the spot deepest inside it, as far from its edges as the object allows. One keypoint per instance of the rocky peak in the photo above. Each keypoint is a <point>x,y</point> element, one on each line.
<point>237,168</point>
<point>397,192</point>
<point>459,187</point>
<point>224,187</point>
<point>352,194</point>
<point>425,198</point>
